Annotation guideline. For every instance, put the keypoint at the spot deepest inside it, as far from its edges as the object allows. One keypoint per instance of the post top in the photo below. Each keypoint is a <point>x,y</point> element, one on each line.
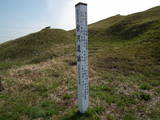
<point>80,3</point>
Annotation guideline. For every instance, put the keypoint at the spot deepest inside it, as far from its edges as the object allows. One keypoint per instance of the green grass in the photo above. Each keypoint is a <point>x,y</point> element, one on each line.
<point>36,47</point>
<point>39,72</point>
<point>145,86</point>
<point>91,114</point>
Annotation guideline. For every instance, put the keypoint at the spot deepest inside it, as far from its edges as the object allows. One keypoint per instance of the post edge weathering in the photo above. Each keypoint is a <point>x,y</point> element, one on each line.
<point>82,57</point>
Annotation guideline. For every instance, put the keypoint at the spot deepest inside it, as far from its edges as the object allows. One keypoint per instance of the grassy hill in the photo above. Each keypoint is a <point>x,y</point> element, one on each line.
<point>35,47</point>
<point>38,72</point>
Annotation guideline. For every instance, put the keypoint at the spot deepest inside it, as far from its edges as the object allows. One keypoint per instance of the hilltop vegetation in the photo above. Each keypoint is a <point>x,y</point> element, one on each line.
<point>38,72</point>
<point>35,47</point>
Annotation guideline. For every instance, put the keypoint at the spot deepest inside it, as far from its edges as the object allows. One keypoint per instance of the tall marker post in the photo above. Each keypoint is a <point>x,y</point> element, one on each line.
<point>82,57</point>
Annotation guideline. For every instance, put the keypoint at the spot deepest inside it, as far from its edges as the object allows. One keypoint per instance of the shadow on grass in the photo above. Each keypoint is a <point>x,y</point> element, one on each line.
<point>77,116</point>
<point>91,114</point>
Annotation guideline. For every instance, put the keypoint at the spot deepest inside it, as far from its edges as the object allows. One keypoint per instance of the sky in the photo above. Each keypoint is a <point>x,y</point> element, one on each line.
<point>21,17</point>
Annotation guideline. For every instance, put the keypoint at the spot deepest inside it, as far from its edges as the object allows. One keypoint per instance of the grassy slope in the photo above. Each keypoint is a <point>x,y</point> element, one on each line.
<point>35,47</point>
<point>124,72</point>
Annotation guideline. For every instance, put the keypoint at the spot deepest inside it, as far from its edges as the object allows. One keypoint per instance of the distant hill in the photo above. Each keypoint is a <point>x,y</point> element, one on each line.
<point>35,47</point>
<point>38,72</point>
<point>143,24</point>
<point>127,27</point>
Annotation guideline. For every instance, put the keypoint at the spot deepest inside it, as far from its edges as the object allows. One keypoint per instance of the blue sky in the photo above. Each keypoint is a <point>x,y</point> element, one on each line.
<point>21,17</point>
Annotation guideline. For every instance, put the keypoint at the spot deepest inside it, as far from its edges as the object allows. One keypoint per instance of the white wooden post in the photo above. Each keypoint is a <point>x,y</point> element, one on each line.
<point>82,57</point>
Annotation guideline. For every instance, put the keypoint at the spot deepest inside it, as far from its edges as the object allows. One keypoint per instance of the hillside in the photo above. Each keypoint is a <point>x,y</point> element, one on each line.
<point>38,72</point>
<point>35,47</point>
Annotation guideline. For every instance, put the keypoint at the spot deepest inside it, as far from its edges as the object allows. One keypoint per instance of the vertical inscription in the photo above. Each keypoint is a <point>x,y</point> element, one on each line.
<point>82,57</point>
